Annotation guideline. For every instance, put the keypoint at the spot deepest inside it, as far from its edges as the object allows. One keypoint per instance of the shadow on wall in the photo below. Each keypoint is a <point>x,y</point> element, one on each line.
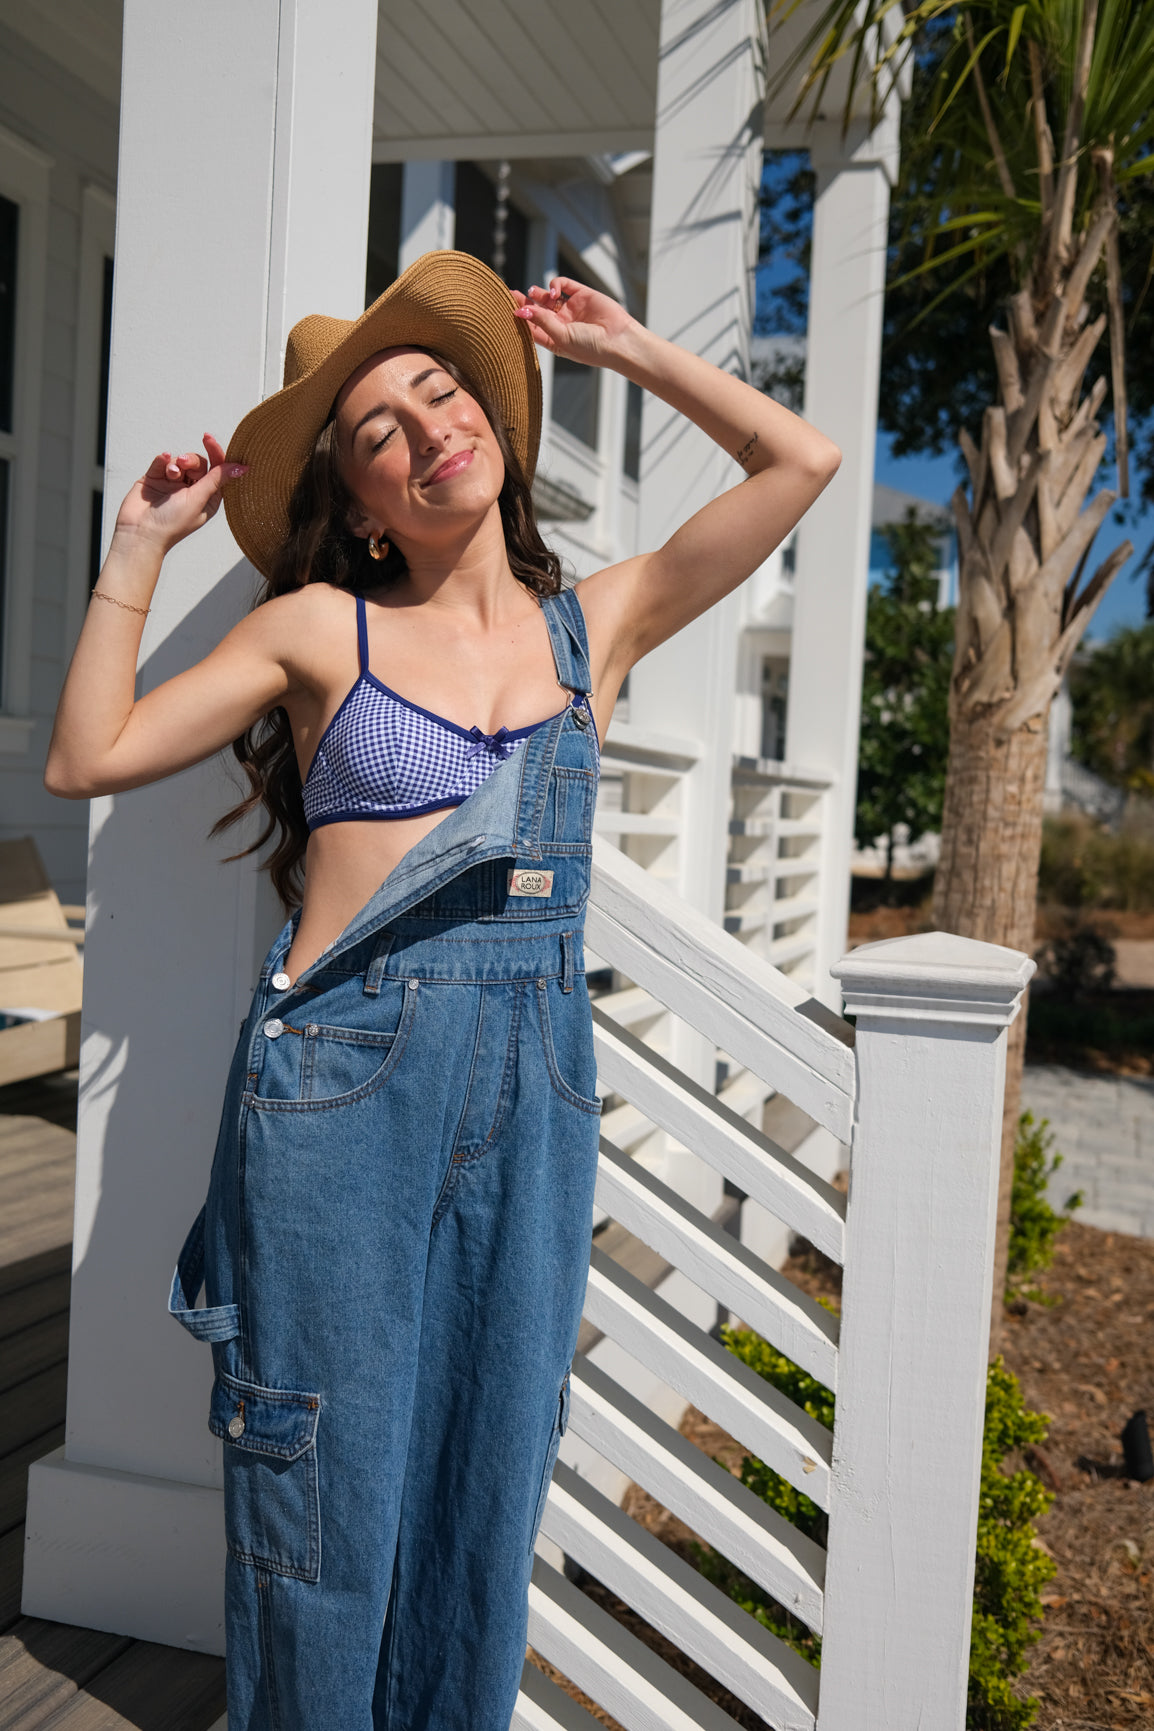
<point>171,961</point>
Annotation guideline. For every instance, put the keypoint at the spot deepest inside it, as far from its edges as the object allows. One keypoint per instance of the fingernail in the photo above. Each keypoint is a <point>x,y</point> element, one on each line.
<point>234,471</point>
<point>523,313</point>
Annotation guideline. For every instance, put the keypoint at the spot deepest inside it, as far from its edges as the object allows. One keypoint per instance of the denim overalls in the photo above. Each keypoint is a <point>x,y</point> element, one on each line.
<point>394,1250</point>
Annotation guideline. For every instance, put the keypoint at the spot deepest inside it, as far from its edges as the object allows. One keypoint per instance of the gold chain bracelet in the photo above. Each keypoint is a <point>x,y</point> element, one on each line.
<point>99,595</point>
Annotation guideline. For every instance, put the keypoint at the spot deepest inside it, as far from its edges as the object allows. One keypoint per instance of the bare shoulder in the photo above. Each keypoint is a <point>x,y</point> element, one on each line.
<point>295,625</point>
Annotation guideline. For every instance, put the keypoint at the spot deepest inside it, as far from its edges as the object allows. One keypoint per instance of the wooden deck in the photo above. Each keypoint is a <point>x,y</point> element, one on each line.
<point>54,1674</point>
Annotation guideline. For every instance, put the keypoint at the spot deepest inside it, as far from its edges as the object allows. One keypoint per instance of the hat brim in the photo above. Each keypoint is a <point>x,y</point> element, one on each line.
<point>448,302</point>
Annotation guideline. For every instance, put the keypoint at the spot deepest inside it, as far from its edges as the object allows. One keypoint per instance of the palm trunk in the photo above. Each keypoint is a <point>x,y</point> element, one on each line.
<point>986,887</point>
<point>1023,541</point>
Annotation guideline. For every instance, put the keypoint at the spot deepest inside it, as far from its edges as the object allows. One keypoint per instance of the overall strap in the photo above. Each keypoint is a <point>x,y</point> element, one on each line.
<point>362,634</point>
<point>566,625</point>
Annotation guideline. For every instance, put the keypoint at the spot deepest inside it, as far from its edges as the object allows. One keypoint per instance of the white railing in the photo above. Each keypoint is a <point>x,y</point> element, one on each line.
<point>919,1097</point>
<point>773,891</point>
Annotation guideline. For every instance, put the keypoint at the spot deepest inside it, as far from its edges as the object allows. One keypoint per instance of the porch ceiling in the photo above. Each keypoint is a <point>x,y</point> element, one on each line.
<point>504,78</point>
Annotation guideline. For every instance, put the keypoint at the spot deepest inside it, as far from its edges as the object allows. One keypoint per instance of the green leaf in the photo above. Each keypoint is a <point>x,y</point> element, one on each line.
<point>1016,22</point>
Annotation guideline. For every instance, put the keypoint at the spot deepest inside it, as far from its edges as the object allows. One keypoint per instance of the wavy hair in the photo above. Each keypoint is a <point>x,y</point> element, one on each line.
<point>321,548</point>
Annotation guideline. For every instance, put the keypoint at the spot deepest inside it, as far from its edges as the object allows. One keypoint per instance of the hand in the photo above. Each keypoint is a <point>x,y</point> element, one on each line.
<point>576,322</point>
<point>177,495</point>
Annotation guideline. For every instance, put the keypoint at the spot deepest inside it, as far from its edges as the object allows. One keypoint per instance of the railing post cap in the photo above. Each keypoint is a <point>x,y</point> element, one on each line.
<point>934,977</point>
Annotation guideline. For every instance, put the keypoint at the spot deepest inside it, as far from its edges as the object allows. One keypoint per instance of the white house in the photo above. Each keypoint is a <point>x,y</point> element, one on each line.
<point>178,185</point>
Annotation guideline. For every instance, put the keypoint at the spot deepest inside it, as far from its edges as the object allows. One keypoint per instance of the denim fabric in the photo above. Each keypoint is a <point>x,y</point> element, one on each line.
<point>394,1251</point>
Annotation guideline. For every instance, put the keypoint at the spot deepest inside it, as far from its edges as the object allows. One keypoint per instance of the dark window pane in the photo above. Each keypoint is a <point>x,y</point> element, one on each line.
<point>105,358</point>
<point>9,230</point>
<point>94,540</point>
<point>476,206</point>
<point>4,468</point>
<point>384,228</point>
<point>576,390</point>
<point>633,430</point>
<point>476,225</point>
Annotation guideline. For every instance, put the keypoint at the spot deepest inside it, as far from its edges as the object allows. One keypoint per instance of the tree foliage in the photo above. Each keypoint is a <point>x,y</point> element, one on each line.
<point>937,367</point>
<point>1112,691</point>
<point>909,649</point>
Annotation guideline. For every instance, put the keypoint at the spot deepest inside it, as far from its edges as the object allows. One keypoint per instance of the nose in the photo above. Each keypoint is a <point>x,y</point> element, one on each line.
<point>430,434</point>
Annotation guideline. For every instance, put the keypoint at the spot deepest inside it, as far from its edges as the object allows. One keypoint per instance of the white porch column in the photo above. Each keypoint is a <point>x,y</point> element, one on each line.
<point>242,204</point>
<point>843,353</point>
<point>702,252</point>
<point>428,209</point>
<point>932,1014</point>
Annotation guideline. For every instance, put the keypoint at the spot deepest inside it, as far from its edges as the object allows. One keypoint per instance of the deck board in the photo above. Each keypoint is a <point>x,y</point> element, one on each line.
<point>54,1675</point>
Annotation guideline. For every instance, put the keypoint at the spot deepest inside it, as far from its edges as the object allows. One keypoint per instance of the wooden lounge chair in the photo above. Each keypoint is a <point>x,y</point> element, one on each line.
<point>40,972</point>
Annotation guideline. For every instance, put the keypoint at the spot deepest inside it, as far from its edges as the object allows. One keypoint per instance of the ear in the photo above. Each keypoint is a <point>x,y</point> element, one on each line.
<point>360,524</point>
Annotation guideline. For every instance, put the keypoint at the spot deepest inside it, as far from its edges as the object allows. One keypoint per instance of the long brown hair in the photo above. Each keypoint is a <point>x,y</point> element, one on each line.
<point>322,548</point>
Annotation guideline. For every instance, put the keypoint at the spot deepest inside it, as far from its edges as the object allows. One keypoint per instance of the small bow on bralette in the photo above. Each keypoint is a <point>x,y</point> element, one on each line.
<point>498,743</point>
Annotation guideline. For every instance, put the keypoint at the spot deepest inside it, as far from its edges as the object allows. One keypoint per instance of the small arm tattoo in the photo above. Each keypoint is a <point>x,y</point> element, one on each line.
<point>746,451</point>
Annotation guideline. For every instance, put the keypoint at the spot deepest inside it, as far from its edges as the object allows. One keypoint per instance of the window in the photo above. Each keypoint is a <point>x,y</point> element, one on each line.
<point>384,247</point>
<point>9,233</point>
<point>632,458</point>
<point>90,401</point>
<point>576,388</point>
<point>479,228</point>
<point>101,421</point>
<point>24,186</point>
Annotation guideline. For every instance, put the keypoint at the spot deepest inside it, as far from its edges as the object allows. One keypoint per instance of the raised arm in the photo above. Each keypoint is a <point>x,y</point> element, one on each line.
<point>104,740</point>
<point>633,606</point>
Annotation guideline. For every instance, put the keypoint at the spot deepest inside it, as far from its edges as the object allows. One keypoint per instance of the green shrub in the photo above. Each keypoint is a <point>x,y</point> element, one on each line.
<point>1010,1570</point>
<point>1034,1225</point>
<point>1084,866</point>
<point>817,1400</point>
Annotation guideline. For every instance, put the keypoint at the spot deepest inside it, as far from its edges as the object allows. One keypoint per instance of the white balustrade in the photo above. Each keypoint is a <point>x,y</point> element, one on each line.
<point>917,1092</point>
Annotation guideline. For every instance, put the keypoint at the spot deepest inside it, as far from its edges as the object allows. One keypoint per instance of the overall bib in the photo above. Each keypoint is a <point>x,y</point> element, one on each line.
<point>394,1252</point>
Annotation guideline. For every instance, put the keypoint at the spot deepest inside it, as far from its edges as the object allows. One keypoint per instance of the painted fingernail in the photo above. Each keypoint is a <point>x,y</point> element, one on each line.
<point>234,471</point>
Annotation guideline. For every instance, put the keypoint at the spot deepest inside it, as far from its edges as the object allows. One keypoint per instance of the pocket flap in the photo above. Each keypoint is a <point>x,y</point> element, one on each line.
<point>267,1421</point>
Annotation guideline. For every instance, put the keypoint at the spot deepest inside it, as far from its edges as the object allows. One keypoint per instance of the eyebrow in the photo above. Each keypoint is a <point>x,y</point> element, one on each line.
<point>383,408</point>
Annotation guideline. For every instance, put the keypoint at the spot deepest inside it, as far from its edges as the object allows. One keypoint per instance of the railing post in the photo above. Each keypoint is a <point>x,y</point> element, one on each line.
<point>932,1013</point>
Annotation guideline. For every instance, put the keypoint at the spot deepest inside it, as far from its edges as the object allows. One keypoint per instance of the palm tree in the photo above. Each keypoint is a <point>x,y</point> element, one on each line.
<point>988,187</point>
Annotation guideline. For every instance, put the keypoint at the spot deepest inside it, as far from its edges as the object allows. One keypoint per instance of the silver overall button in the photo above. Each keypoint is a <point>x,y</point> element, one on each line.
<point>236,1426</point>
<point>478,841</point>
<point>412,984</point>
<point>274,1029</point>
<point>581,717</point>
<point>281,982</point>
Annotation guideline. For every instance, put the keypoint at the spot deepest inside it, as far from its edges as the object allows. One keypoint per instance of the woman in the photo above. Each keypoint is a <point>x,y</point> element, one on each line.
<point>396,1236</point>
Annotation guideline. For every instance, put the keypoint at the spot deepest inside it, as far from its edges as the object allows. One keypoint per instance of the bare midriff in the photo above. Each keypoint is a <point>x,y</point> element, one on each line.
<point>346,864</point>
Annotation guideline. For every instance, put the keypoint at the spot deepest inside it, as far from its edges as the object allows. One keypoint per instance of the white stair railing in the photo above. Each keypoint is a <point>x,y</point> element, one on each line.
<point>919,1096</point>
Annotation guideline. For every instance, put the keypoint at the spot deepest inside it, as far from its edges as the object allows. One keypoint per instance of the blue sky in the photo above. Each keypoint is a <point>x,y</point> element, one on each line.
<point>934,478</point>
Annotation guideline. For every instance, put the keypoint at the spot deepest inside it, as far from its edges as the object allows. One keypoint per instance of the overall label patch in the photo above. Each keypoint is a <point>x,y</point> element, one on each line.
<point>530,883</point>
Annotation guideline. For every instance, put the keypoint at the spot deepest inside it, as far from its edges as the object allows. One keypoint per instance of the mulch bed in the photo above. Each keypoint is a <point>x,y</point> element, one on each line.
<point>1088,1361</point>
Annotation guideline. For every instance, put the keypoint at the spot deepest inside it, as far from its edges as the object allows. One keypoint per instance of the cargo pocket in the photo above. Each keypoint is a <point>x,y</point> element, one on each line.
<point>271,1496</point>
<point>560,1424</point>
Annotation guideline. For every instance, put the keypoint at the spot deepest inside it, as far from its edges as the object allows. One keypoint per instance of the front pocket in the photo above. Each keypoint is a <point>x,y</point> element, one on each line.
<point>271,1496</point>
<point>571,1043</point>
<point>310,1066</point>
<point>340,1061</point>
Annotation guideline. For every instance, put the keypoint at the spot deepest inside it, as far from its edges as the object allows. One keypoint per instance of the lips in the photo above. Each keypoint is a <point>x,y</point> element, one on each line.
<point>451,466</point>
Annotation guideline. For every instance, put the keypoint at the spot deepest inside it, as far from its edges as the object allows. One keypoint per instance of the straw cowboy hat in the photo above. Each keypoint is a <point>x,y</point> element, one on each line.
<point>447,301</point>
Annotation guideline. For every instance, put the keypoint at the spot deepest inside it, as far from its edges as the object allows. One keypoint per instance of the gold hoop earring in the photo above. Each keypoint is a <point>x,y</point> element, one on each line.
<point>377,549</point>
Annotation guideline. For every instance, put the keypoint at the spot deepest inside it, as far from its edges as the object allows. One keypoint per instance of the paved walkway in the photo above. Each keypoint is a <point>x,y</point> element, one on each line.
<point>1104,1129</point>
